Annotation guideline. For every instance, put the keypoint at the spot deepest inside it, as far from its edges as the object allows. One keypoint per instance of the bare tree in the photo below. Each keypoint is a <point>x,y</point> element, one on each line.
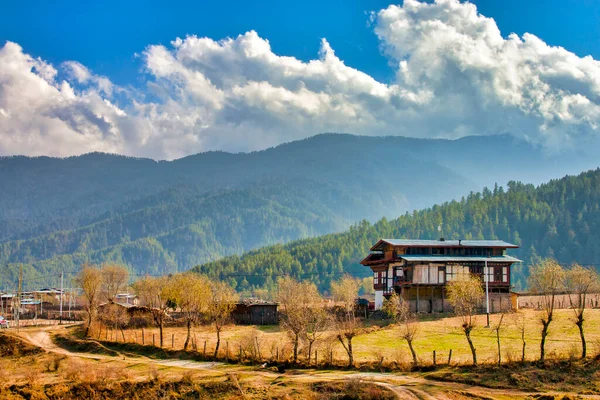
<point>345,291</point>
<point>303,313</point>
<point>153,293</point>
<point>317,324</point>
<point>89,280</point>
<point>547,279</point>
<point>520,323</point>
<point>220,304</point>
<point>497,329</point>
<point>114,279</point>
<point>399,310</point>
<point>464,295</point>
<point>115,316</point>
<point>580,282</point>
<point>189,291</point>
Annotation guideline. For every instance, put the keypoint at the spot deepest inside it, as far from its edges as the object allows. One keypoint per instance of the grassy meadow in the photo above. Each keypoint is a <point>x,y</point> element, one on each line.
<point>436,332</point>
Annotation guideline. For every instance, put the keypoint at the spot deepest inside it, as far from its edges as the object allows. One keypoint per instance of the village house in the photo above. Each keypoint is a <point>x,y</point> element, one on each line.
<point>419,270</point>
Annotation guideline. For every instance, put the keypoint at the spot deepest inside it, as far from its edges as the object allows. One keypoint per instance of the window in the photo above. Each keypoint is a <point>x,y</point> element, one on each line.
<point>453,272</point>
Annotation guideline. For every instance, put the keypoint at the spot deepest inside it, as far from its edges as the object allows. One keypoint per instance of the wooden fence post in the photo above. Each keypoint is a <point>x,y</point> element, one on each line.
<point>172,340</point>
<point>277,356</point>
<point>449,356</point>
<point>316,357</point>
<point>227,351</point>
<point>434,358</point>
<point>204,352</point>
<point>153,341</point>
<point>143,340</point>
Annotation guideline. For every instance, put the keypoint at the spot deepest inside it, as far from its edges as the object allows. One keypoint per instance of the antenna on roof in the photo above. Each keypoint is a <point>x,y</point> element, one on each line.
<point>440,232</point>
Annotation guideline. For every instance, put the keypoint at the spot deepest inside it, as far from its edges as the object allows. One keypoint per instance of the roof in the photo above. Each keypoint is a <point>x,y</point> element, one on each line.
<point>445,243</point>
<point>430,258</point>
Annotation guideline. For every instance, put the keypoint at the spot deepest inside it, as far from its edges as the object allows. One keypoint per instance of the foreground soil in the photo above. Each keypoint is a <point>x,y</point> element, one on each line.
<point>32,365</point>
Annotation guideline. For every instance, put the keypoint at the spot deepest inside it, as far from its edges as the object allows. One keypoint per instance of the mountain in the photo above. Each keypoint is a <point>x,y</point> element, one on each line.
<point>166,216</point>
<point>559,219</point>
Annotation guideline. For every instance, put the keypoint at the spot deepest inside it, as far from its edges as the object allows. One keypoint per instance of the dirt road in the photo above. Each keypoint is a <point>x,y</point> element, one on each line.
<point>405,386</point>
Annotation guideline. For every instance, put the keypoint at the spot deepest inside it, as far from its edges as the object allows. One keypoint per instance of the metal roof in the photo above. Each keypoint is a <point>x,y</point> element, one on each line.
<point>446,243</point>
<point>429,258</point>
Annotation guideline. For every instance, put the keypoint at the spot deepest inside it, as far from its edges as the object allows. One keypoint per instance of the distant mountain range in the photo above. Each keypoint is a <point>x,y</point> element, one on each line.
<point>166,216</point>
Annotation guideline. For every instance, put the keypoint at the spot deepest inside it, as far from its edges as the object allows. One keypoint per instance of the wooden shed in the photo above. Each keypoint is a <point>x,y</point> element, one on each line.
<point>255,312</point>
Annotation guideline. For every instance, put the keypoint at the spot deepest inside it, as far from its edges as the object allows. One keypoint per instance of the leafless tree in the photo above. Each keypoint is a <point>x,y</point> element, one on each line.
<point>115,316</point>
<point>497,329</point>
<point>190,292</point>
<point>547,279</point>
<point>89,280</point>
<point>520,323</point>
<point>580,282</point>
<point>345,291</point>
<point>399,310</point>
<point>114,279</point>
<point>303,313</point>
<point>153,293</point>
<point>464,295</point>
<point>220,303</point>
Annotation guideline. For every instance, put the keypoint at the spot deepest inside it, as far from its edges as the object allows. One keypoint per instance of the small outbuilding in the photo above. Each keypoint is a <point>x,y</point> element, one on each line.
<point>255,312</point>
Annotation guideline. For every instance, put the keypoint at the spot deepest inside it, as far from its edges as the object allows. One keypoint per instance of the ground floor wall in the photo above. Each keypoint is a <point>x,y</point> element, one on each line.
<point>433,299</point>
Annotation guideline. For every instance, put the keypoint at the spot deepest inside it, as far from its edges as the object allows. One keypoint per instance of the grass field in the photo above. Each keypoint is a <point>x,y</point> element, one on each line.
<point>439,334</point>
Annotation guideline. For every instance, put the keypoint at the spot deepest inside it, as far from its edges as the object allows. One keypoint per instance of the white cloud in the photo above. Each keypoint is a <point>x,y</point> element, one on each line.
<point>456,75</point>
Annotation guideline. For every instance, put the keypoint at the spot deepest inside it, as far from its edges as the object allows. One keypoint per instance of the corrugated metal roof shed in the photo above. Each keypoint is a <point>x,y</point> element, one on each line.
<point>447,243</point>
<point>429,258</point>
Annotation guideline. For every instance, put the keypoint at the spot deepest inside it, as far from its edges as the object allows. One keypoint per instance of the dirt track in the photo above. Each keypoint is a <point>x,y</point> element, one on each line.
<point>405,386</point>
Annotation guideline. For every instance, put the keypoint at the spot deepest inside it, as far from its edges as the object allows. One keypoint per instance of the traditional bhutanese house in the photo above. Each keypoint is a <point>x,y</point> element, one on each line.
<point>419,270</point>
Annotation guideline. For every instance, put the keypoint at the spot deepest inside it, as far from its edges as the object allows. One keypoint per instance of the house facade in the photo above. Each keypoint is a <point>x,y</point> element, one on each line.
<point>419,270</point>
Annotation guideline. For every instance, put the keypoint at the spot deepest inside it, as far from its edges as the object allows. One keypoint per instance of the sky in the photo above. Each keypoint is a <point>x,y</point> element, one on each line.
<point>163,81</point>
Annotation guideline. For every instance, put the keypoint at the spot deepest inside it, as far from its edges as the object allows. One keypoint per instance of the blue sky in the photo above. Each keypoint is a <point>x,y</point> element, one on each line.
<point>78,76</point>
<point>105,35</point>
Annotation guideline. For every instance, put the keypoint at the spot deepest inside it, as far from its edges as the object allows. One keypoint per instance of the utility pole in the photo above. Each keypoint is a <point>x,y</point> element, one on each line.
<point>19,294</point>
<point>61,295</point>
<point>487,292</point>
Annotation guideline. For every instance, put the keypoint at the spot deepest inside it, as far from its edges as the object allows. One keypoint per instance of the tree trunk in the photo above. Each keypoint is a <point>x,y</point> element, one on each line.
<point>189,334</point>
<point>473,351</point>
<point>218,342</point>
<point>498,340</point>
<point>543,341</point>
<point>123,334</point>
<point>296,339</point>
<point>348,349</point>
<point>89,324</point>
<point>310,344</point>
<point>350,353</point>
<point>579,324</point>
<point>412,351</point>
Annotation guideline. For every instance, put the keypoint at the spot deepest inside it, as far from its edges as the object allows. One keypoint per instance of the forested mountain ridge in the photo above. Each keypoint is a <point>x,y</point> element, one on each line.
<point>559,219</point>
<point>166,216</point>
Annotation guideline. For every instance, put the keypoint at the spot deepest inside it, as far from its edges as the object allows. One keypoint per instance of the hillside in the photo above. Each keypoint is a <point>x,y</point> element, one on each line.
<point>166,216</point>
<point>558,219</point>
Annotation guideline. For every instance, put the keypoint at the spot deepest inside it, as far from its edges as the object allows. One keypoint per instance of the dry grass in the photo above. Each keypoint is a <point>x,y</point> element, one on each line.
<point>441,335</point>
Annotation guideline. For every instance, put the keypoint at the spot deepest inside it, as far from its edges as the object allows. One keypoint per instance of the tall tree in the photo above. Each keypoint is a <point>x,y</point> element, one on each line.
<point>399,310</point>
<point>89,280</point>
<point>581,281</point>
<point>220,304</point>
<point>190,293</point>
<point>546,278</point>
<point>465,295</point>
<point>302,309</point>
<point>153,293</point>
<point>345,292</point>
<point>114,279</point>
